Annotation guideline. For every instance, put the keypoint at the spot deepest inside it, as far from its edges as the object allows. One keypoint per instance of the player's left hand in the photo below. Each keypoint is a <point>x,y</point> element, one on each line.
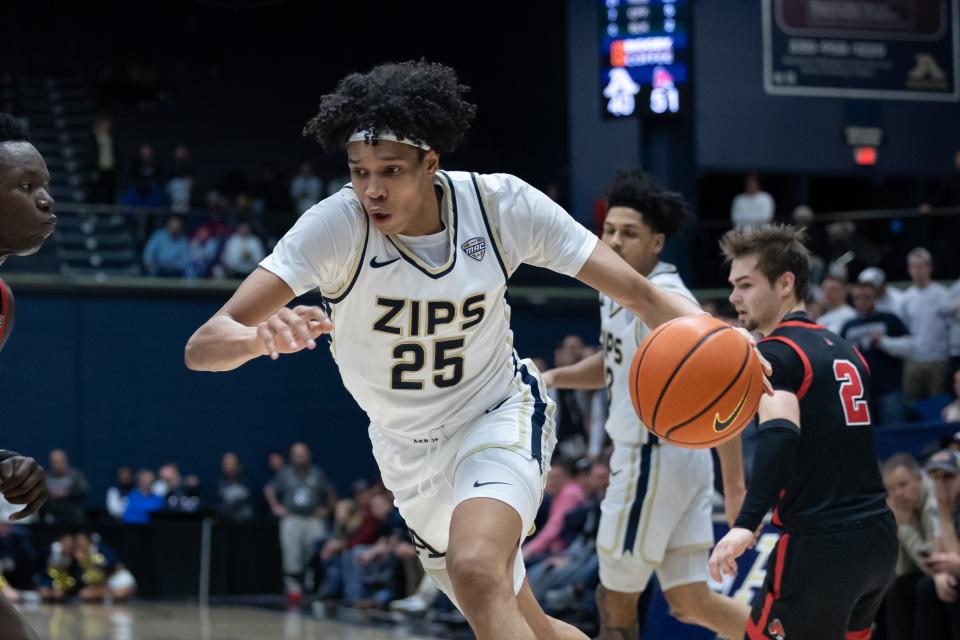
<point>767,369</point>
<point>723,560</point>
<point>22,481</point>
<point>944,562</point>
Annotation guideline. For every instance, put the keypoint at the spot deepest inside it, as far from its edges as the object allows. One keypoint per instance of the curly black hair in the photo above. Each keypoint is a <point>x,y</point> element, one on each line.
<point>416,99</point>
<point>12,129</point>
<point>664,211</point>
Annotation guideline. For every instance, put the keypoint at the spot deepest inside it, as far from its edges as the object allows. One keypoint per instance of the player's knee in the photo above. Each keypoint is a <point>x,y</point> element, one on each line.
<point>474,571</point>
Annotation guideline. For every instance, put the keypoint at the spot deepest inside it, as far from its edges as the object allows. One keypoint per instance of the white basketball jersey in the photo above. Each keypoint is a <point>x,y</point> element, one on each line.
<point>419,347</point>
<point>621,333</point>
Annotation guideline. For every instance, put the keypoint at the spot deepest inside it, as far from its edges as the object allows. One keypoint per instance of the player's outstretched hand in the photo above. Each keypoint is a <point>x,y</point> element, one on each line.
<point>767,369</point>
<point>22,481</point>
<point>292,330</point>
<point>723,560</point>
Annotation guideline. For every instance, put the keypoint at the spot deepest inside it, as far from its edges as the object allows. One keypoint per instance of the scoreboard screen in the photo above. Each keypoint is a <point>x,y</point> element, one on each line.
<point>644,57</point>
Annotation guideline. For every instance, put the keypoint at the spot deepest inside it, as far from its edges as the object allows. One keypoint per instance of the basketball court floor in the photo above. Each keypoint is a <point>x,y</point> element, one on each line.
<point>181,621</point>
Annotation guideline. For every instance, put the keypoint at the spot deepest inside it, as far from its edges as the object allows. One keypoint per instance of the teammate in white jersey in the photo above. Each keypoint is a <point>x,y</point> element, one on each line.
<point>412,264</point>
<point>656,514</point>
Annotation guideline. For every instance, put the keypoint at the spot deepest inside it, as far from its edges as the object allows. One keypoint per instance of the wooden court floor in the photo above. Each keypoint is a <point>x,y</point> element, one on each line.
<point>165,621</point>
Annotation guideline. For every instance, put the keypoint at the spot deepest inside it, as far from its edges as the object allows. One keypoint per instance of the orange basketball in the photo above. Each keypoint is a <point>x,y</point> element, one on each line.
<point>695,382</point>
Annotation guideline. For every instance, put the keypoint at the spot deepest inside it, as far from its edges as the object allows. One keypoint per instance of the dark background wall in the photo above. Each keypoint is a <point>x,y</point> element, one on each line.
<point>739,127</point>
<point>103,378</point>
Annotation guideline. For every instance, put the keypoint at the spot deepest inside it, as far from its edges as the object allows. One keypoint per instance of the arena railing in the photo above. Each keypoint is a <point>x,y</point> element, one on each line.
<point>845,239</point>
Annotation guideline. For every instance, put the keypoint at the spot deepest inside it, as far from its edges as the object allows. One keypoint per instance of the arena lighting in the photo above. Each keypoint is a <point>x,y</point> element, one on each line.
<point>865,156</point>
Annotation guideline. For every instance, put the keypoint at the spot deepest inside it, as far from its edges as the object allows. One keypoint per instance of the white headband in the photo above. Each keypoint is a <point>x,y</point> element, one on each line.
<point>367,136</point>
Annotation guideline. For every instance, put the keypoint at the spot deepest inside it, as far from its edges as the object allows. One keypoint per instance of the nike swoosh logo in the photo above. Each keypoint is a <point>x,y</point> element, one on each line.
<point>377,265</point>
<point>477,483</point>
<point>613,473</point>
<point>721,425</point>
<point>499,404</point>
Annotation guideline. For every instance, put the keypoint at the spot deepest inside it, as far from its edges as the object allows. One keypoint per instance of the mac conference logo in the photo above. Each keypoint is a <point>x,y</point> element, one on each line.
<point>926,74</point>
<point>475,248</point>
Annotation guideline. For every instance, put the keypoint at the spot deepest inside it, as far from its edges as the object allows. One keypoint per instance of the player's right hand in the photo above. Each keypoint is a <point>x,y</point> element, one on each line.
<point>723,560</point>
<point>22,481</point>
<point>292,330</point>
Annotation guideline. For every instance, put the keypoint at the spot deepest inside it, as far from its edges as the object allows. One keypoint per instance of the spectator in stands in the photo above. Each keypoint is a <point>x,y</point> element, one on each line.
<point>58,582</point>
<point>926,312</point>
<point>305,188</point>
<point>68,491</point>
<point>951,413</point>
<point>836,311</point>
<point>203,251</point>
<point>569,490</point>
<point>242,252</point>
<point>276,462</point>
<point>102,158</point>
<point>98,571</point>
<point>369,570</point>
<point>180,186</point>
<point>142,501</point>
<point>753,207</point>
<point>577,563</point>
<point>145,166</point>
<point>167,252</point>
<point>889,299</point>
<point>884,341</point>
<point>178,495</point>
<point>302,498</point>
<point>915,510</point>
<point>938,608</point>
<point>18,563</point>
<point>235,501</point>
<point>117,494</point>
<point>143,193</point>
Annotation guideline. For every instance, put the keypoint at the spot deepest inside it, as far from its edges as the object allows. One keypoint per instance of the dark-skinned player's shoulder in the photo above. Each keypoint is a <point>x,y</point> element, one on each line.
<point>6,312</point>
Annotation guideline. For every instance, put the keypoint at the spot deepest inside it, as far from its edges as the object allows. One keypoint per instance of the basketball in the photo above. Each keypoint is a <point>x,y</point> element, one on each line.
<point>695,382</point>
<point>6,312</point>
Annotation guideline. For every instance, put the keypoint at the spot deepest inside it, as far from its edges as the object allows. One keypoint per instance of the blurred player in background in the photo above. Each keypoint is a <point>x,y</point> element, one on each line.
<point>26,221</point>
<point>815,458</point>
<point>657,512</point>
<point>412,263</point>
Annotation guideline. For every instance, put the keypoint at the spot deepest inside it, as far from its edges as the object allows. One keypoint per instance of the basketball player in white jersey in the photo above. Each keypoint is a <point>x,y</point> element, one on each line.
<point>656,514</point>
<point>412,264</point>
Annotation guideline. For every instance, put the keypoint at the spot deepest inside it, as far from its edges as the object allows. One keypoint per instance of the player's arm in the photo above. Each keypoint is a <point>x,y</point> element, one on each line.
<point>586,374</point>
<point>255,322</point>
<point>732,473</point>
<point>778,442</point>
<point>605,271</point>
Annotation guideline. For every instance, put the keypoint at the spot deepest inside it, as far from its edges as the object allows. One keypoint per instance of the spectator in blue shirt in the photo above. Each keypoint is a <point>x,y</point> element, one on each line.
<point>142,502</point>
<point>884,341</point>
<point>167,253</point>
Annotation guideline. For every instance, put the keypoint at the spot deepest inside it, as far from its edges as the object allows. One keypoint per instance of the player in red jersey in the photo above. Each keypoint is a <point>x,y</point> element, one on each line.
<point>815,459</point>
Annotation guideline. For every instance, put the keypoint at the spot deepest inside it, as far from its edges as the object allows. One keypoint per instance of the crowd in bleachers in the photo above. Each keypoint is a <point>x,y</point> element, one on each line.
<point>241,217</point>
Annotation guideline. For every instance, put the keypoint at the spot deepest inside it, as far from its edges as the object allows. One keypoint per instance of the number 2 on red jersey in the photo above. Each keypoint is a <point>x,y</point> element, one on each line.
<point>855,407</point>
